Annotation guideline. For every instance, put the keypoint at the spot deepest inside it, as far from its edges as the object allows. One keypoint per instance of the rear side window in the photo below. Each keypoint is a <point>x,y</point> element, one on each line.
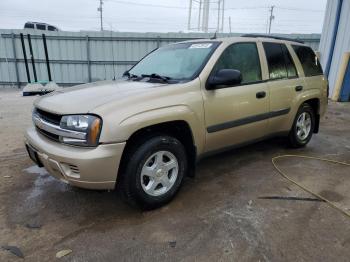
<point>291,70</point>
<point>40,27</point>
<point>275,60</point>
<point>279,61</point>
<point>243,57</point>
<point>308,60</point>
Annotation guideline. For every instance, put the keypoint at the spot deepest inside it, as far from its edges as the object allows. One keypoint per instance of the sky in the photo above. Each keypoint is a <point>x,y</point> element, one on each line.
<point>248,16</point>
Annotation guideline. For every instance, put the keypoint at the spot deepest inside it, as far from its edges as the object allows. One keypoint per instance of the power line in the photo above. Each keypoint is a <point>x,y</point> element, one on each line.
<point>147,5</point>
<point>298,9</point>
<point>268,24</point>
<point>226,8</point>
<point>182,7</point>
<point>246,8</point>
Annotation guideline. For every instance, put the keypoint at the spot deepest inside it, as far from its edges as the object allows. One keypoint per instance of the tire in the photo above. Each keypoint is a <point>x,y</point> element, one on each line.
<point>300,135</point>
<point>154,172</point>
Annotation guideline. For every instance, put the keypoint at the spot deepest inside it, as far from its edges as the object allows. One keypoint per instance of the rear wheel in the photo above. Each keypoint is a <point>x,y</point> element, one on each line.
<point>154,172</point>
<point>303,126</point>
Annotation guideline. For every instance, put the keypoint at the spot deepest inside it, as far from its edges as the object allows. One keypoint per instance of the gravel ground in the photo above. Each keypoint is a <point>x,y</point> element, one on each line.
<point>219,215</point>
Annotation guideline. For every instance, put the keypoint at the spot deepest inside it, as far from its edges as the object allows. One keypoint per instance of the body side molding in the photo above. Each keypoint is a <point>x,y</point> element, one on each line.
<point>247,120</point>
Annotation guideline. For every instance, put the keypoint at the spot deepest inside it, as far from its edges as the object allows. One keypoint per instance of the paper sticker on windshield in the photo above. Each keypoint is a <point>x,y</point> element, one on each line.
<point>202,45</point>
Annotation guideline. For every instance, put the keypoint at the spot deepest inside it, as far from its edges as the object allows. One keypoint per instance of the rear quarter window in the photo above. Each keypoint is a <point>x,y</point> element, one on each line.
<point>309,61</point>
<point>51,28</point>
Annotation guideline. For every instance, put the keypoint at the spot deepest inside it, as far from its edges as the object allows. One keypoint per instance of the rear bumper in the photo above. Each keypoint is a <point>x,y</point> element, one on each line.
<point>92,168</point>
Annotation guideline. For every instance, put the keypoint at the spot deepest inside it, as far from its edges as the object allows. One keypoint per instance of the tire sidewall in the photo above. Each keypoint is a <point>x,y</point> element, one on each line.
<point>137,161</point>
<point>307,109</point>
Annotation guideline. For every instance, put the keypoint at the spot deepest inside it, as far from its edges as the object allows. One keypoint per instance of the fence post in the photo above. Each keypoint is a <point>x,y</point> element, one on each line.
<point>88,57</point>
<point>158,41</point>
<point>15,59</point>
<point>25,57</point>
<point>32,57</point>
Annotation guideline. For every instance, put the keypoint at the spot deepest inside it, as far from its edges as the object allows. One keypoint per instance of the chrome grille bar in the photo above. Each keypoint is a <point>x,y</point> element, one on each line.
<point>57,130</point>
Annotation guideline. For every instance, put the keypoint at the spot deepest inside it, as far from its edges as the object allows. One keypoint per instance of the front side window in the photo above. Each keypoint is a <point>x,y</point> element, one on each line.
<point>182,61</point>
<point>243,57</point>
<point>308,59</point>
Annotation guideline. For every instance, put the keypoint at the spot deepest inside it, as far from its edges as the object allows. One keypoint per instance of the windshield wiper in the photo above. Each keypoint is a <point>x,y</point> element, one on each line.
<point>156,76</point>
<point>127,74</point>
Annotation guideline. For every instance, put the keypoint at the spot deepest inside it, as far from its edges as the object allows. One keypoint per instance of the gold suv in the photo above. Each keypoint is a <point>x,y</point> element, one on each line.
<point>146,131</point>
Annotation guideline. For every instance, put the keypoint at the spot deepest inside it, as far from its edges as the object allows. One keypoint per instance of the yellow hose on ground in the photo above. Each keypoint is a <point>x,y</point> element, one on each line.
<point>283,174</point>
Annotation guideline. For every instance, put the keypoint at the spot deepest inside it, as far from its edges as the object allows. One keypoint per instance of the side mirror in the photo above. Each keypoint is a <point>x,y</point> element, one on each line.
<point>225,78</point>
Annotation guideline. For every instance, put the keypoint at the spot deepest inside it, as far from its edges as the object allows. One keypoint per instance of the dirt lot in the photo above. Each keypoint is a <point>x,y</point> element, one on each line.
<point>217,216</point>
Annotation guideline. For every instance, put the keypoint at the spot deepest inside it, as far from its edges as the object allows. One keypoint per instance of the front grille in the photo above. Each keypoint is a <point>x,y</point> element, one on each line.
<point>48,134</point>
<point>49,117</point>
<point>48,124</point>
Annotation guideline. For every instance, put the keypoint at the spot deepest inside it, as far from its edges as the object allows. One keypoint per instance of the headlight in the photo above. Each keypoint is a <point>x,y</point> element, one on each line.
<point>89,125</point>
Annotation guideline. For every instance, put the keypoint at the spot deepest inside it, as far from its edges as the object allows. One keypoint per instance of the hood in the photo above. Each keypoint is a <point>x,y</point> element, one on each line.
<point>84,98</point>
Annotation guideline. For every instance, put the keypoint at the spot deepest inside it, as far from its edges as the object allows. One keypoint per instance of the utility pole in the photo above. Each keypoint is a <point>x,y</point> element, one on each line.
<point>271,17</point>
<point>222,15</point>
<point>189,15</point>
<point>99,9</point>
<point>204,13</point>
<point>205,19</point>
<point>229,23</point>
<point>219,10</point>
<point>199,14</point>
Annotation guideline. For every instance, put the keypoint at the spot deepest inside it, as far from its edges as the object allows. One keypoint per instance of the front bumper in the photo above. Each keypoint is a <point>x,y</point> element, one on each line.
<point>92,168</point>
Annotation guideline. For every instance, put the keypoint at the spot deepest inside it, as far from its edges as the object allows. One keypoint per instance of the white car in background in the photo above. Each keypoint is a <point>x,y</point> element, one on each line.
<point>40,26</point>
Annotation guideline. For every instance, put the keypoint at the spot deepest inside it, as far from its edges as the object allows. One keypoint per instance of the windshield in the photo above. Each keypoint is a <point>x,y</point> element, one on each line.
<point>178,61</point>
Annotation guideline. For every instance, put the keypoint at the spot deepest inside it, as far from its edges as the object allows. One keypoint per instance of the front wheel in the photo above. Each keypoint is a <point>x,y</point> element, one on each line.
<point>154,172</point>
<point>303,126</point>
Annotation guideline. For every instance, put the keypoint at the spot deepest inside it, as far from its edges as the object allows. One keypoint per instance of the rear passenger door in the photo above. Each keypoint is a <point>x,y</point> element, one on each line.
<point>284,85</point>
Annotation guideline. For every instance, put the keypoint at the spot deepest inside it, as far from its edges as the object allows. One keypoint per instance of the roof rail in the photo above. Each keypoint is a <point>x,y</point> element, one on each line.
<point>273,37</point>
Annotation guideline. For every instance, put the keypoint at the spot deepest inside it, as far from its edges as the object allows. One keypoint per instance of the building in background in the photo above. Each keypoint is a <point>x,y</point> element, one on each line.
<point>81,57</point>
<point>335,48</point>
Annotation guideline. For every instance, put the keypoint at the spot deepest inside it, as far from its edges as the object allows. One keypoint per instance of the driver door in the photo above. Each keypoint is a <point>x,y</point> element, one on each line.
<point>237,114</point>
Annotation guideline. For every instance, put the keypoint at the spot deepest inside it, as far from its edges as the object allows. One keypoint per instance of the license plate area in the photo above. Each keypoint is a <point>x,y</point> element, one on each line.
<point>33,155</point>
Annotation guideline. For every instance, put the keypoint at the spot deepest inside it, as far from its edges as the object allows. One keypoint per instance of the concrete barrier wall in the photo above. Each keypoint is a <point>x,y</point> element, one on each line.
<point>81,57</point>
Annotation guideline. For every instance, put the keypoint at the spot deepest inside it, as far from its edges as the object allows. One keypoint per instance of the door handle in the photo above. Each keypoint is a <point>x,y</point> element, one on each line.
<point>260,94</point>
<point>298,88</point>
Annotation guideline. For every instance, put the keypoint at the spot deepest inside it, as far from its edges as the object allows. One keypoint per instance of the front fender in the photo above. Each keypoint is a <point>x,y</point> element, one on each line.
<point>133,123</point>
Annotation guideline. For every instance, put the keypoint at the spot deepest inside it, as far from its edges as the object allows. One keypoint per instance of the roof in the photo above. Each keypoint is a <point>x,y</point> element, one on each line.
<point>273,37</point>
<point>244,38</point>
<point>32,22</point>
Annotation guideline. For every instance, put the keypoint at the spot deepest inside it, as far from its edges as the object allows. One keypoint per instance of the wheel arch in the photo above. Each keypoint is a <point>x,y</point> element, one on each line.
<point>315,105</point>
<point>179,129</point>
